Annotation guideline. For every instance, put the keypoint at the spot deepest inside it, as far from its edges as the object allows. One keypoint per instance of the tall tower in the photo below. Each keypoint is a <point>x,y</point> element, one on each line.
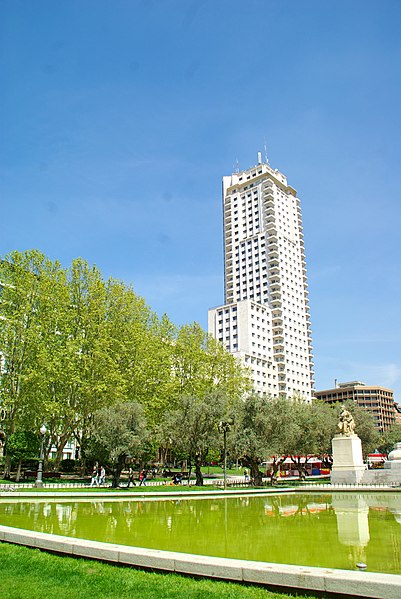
<point>265,319</point>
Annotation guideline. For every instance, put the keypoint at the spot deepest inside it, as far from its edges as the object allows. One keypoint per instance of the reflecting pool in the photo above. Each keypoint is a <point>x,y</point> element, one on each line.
<point>326,530</point>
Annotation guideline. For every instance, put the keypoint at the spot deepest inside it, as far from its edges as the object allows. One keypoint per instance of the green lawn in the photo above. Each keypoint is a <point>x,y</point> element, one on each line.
<point>122,490</point>
<point>31,574</point>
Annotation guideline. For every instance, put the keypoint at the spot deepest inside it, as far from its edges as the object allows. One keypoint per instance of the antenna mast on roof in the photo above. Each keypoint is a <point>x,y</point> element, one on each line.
<point>265,149</point>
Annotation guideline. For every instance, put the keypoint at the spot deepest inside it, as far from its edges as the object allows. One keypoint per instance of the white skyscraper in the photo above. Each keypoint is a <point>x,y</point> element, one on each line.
<point>265,319</point>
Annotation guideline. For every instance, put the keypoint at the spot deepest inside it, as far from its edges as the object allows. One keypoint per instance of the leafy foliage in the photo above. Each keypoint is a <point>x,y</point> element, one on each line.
<point>72,343</point>
<point>192,427</point>
<point>390,438</point>
<point>118,431</point>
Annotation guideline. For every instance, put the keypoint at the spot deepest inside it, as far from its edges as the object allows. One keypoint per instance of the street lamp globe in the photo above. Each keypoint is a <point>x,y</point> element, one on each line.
<point>43,429</point>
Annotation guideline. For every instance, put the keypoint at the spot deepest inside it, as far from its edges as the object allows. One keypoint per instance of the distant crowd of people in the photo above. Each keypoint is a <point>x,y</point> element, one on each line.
<point>98,476</point>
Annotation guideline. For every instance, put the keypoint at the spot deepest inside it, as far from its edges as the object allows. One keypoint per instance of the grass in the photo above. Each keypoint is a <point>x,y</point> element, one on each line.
<point>31,574</point>
<point>122,490</point>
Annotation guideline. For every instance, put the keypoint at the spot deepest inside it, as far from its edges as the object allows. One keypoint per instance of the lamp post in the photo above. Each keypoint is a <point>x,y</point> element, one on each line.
<point>39,476</point>
<point>224,427</point>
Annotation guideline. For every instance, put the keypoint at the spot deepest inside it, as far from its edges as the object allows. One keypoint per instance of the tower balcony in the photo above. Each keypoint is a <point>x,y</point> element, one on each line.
<point>275,299</point>
<point>275,295</point>
<point>276,304</point>
<point>268,194</point>
<point>268,183</point>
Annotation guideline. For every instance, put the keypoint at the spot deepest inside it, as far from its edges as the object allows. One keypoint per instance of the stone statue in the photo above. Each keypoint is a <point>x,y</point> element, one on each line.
<point>346,424</point>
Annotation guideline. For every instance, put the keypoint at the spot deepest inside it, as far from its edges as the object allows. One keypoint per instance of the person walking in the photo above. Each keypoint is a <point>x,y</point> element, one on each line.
<point>131,477</point>
<point>94,479</point>
<point>102,476</point>
<point>142,478</point>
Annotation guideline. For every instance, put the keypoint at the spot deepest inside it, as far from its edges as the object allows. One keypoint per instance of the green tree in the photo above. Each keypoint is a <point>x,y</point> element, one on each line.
<point>23,278</point>
<point>389,438</point>
<point>313,427</point>
<point>192,427</point>
<point>202,365</point>
<point>198,367</point>
<point>22,445</point>
<point>261,425</point>
<point>142,345</point>
<point>117,434</point>
<point>75,364</point>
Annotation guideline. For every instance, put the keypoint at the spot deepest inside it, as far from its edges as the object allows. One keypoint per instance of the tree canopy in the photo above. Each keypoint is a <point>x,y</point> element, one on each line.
<point>72,343</point>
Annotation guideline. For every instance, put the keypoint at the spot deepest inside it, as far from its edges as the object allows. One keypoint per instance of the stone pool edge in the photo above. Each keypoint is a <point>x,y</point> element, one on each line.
<point>302,578</point>
<point>135,493</point>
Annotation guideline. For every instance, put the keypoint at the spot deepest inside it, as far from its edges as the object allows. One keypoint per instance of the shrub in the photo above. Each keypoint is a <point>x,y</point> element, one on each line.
<point>67,465</point>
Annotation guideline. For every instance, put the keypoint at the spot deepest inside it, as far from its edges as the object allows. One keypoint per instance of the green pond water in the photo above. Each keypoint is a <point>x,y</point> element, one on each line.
<point>327,530</point>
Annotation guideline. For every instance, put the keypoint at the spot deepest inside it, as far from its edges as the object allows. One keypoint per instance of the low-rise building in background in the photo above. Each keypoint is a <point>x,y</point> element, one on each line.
<point>379,401</point>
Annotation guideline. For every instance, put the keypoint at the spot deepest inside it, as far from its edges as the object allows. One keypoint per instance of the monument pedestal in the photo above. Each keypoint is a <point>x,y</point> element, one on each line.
<point>348,466</point>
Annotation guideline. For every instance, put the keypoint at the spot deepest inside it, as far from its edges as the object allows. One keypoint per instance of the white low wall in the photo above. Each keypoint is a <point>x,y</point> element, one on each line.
<point>301,578</point>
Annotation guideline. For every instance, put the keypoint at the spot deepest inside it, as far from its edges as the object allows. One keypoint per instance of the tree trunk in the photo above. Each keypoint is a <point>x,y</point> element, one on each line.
<point>117,468</point>
<point>275,467</point>
<point>198,472</point>
<point>300,467</point>
<point>18,475</point>
<point>62,442</point>
<point>189,470</point>
<point>7,468</point>
<point>256,474</point>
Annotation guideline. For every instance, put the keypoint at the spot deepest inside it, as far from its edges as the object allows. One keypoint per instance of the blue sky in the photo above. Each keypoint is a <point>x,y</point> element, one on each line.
<point>118,120</point>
